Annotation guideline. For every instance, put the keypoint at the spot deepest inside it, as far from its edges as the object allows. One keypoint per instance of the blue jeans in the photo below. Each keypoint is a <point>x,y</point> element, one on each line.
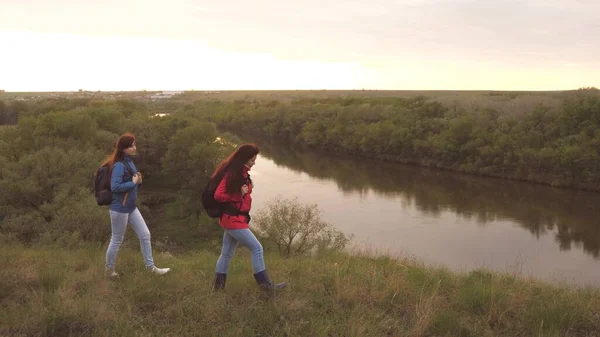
<point>231,238</point>
<point>118,222</point>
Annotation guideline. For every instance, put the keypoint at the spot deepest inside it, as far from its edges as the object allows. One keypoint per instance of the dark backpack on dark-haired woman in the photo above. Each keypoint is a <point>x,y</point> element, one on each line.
<point>215,209</point>
<point>212,207</point>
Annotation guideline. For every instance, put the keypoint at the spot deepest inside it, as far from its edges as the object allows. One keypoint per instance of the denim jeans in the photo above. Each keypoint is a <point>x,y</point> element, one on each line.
<point>231,238</point>
<point>118,222</point>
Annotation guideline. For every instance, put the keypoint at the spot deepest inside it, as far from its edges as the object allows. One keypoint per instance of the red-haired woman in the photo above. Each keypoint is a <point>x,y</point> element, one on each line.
<point>123,210</point>
<point>234,189</point>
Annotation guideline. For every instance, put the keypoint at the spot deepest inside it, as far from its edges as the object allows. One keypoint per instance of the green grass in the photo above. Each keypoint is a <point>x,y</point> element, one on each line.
<point>48,291</point>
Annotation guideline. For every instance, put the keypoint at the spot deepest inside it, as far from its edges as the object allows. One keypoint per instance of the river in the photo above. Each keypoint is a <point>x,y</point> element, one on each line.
<point>442,218</point>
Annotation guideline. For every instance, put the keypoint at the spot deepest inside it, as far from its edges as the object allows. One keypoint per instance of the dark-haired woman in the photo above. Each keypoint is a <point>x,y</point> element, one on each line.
<point>123,210</point>
<point>234,189</point>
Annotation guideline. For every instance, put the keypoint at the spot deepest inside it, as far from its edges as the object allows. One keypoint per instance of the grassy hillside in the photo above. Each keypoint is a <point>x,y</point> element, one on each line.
<point>57,292</point>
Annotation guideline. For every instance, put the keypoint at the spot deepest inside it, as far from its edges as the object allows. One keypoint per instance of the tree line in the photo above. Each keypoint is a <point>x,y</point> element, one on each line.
<point>555,144</point>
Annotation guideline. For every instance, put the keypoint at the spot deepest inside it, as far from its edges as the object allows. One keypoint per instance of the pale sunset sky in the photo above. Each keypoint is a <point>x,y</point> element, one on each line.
<point>66,45</point>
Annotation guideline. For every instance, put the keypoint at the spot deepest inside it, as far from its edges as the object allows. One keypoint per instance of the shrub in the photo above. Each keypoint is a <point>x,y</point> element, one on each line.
<point>297,229</point>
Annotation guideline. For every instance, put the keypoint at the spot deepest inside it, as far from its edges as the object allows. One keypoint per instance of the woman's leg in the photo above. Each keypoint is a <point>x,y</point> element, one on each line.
<point>229,246</point>
<point>118,224</point>
<point>139,227</point>
<point>247,239</point>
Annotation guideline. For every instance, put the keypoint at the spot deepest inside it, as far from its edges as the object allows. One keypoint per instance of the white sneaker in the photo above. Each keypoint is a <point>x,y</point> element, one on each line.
<point>111,273</point>
<point>159,271</point>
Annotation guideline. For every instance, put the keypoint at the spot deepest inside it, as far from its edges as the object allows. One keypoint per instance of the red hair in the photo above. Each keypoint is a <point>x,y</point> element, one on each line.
<point>124,142</point>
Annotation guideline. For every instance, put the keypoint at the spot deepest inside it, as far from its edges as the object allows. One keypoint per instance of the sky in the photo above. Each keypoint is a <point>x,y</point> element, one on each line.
<point>65,45</point>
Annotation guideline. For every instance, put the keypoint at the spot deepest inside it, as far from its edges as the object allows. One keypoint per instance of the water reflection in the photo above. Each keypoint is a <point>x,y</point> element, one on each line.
<point>569,215</point>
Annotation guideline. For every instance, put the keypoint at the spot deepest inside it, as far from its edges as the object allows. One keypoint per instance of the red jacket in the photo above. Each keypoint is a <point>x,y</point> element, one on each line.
<point>242,203</point>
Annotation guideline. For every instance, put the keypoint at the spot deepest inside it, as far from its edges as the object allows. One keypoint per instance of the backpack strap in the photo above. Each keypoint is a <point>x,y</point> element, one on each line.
<point>231,208</point>
<point>129,169</point>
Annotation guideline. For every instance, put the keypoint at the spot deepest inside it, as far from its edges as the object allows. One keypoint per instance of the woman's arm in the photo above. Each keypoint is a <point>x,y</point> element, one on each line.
<point>116,180</point>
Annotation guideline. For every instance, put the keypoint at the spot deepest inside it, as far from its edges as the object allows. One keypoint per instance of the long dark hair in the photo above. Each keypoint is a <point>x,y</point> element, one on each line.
<point>124,142</point>
<point>234,165</point>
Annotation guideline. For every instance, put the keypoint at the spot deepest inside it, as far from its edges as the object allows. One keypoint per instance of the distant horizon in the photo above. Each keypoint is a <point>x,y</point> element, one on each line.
<point>293,90</point>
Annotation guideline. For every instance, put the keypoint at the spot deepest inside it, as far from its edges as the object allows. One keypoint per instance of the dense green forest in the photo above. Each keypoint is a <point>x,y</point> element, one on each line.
<point>47,162</point>
<point>551,138</point>
<point>51,146</point>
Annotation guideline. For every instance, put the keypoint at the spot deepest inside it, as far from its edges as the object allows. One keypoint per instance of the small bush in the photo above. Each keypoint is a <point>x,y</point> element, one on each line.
<point>297,229</point>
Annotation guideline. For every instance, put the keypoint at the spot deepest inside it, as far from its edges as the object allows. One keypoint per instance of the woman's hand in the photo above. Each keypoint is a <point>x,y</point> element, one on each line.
<point>137,178</point>
<point>244,189</point>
